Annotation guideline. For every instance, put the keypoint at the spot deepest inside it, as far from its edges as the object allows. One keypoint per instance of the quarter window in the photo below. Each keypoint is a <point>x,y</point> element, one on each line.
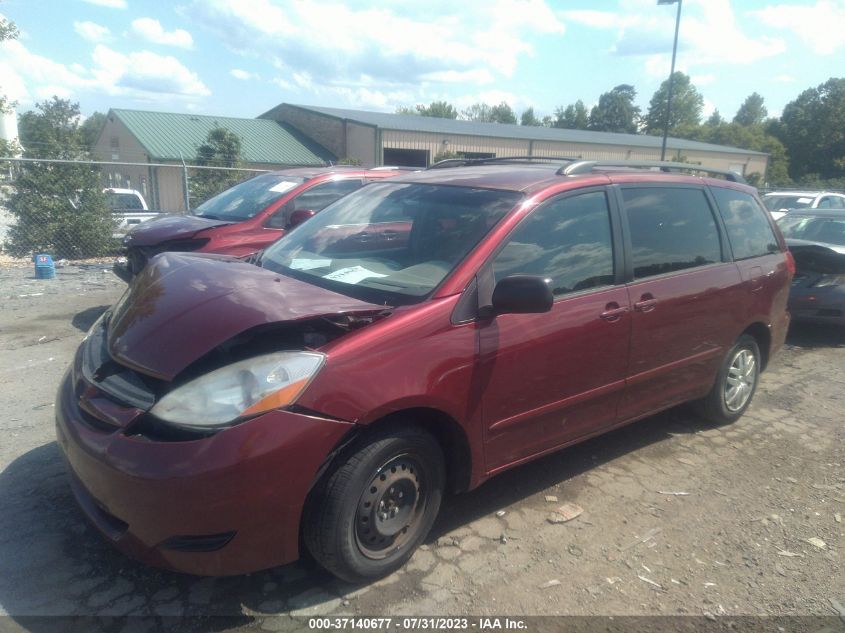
<point>671,229</point>
<point>567,240</point>
<point>749,231</point>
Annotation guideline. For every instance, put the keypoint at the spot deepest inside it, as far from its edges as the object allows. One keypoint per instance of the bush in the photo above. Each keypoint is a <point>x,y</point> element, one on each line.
<point>59,208</point>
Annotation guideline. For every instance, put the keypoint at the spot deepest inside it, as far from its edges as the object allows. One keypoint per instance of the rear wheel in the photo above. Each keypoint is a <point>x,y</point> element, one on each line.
<point>735,384</point>
<point>367,516</point>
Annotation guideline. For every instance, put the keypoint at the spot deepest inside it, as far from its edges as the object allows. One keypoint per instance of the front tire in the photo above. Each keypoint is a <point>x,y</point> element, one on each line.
<point>735,384</point>
<point>366,517</point>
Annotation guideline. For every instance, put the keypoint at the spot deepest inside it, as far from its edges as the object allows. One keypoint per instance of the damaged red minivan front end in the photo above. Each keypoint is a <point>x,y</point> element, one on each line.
<point>134,473</point>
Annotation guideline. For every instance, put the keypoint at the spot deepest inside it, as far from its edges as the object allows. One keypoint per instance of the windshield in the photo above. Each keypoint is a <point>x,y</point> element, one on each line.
<point>390,243</point>
<point>827,230</point>
<point>776,203</point>
<point>244,200</point>
<point>124,202</point>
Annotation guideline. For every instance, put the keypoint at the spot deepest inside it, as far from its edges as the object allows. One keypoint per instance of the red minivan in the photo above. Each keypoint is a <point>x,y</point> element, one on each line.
<point>416,337</point>
<point>245,218</point>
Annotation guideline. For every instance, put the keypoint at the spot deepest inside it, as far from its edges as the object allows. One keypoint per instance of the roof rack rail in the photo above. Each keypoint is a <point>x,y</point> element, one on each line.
<point>586,166</point>
<point>464,162</point>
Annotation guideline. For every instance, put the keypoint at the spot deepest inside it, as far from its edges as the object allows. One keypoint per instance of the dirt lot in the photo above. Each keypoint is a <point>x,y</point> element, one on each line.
<point>679,518</point>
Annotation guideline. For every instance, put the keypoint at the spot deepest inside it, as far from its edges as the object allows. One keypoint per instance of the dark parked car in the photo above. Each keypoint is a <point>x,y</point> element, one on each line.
<point>245,218</point>
<point>416,337</point>
<point>817,241</point>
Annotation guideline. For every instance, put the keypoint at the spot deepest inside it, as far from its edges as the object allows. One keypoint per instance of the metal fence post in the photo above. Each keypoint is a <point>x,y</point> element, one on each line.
<point>185,183</point>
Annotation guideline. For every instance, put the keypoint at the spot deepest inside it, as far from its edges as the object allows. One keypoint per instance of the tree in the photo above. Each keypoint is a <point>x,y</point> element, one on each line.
<point>8,31</point>
<point>437,109</point>
<point>528,118</point>
<point>572,117</point>
<point>755,138</point>
<point>752,111</point>
<point>91,128</point>
<point>714,119</point>
<point>222,148</point>
<point>685,114</point>
<point>616,112</point>
<point>485,113</point>
<point>58,208</point>
<point>812,127</point>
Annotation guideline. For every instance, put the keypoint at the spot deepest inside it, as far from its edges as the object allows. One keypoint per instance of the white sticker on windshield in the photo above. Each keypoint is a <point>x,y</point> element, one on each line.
<point>352,275</point>
<point>805,200</point>
<point>309,264</point>
<point>285,185</point>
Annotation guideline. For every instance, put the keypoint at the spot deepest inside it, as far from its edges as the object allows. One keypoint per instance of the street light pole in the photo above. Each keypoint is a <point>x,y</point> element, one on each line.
<point>671,75</point>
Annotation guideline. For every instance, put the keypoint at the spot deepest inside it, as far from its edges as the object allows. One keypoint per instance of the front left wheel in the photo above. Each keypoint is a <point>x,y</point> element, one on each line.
<point>366,517</point>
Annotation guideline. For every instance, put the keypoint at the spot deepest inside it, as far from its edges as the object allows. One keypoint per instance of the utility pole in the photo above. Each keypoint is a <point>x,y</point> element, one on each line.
<point>671,75</point>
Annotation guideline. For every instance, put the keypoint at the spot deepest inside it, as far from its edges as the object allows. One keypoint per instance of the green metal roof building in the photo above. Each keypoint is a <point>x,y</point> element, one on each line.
<point>381,138</point>
<point>138,136</point>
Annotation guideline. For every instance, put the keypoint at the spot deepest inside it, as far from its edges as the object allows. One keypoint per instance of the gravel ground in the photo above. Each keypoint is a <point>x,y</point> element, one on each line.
<point>678,517</point>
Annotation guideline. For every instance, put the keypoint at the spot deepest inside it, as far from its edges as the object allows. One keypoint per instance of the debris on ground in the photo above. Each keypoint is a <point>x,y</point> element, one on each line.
<point>551,498</point>
<point>500,513</point>
<point>674,494</point>
<point>566,512</point>
<point>837,517</point>
<point>788,554</point>
<point>651,582</point>
<point>817,542</point>
<point>554,582</point>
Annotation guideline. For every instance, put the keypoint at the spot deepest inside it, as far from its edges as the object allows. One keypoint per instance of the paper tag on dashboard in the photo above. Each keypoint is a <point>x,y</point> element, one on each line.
<point>352,275</point>
<point>309,264</point>
<point>285,185</point>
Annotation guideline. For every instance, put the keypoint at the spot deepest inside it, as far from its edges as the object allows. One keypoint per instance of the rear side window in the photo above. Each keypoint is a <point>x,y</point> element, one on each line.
<point>320,196</point>
<point>749,231</point>
<point>671,229</point>
<point>567,240</point>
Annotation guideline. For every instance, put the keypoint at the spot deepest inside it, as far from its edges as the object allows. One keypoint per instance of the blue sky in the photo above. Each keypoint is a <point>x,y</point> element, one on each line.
<point>242,57</point>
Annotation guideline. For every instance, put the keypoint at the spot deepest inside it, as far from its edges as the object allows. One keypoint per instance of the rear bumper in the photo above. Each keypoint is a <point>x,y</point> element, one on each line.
<point>221,505</point>
<point>823,305</point>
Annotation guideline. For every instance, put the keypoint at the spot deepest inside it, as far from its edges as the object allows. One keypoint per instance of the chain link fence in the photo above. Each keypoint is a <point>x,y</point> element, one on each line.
<point>76,211</point>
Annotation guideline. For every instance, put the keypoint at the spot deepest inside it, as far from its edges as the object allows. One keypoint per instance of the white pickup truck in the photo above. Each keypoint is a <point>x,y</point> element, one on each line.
<point>129,208</point>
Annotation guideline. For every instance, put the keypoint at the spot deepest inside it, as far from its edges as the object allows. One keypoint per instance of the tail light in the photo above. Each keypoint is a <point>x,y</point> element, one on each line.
<point>790,264</point>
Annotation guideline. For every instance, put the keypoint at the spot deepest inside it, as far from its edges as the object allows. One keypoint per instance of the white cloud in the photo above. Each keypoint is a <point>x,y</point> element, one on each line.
<point>784,78</point>
<point>709,33</point>
<point>703,80</point>
<point>151,30</point>
<point>243,75</point>
<point>111,4</point>
<point>92,31</point>
<point>146,72</point>
<point>599,19</point>
<point>821,26</point>
<point>29,77</point>
<point>474,42</point>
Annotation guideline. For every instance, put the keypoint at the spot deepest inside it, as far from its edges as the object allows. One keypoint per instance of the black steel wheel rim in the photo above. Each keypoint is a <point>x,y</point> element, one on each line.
<point>391,508</point>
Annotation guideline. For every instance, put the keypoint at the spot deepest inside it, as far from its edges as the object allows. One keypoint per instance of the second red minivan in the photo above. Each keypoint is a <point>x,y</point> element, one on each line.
<point>248,217</point>
<point>418,336</point>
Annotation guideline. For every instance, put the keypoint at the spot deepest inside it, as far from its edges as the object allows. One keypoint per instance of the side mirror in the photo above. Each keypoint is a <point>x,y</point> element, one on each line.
<point>299,216</point>
<point>523,294</point>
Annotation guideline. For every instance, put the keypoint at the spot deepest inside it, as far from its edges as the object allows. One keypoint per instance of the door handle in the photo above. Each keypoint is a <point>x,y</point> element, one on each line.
<point>645,304</point>
<point>613,312</point>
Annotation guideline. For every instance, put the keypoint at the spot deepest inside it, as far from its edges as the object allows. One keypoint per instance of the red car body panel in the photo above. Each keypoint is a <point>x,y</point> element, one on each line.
<point>510,388</point>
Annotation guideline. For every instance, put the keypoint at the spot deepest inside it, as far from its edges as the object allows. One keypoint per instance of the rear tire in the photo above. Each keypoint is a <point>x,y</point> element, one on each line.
<point>735,384</point>
<point>368,514</point>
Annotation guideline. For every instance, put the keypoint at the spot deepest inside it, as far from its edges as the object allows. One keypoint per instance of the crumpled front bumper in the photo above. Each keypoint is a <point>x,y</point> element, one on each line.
<point>229,503</point>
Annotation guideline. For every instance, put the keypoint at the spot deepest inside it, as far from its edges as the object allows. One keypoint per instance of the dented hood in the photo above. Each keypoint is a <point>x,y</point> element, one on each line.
<point>169,227</point>
<point>182,306</point>
<point>817,257</point>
